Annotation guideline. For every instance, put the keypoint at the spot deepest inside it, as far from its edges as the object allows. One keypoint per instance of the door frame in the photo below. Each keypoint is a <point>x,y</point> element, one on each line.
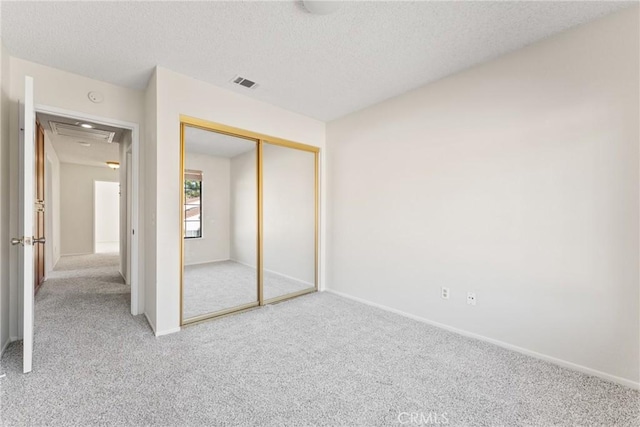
<point>137,294</point>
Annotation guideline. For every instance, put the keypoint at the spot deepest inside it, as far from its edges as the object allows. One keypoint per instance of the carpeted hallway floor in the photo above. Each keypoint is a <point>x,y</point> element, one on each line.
<point>316,360</point>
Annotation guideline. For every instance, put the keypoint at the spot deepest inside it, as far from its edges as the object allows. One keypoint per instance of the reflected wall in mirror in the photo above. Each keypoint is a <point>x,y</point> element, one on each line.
<point>220,215</point>
<point>289,221</point>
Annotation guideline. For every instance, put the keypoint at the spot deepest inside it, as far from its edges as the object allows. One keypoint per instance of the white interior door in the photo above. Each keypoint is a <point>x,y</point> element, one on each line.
<point>26,202</point>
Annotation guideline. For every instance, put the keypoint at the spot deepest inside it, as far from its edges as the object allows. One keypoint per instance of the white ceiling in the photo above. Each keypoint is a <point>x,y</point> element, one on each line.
<point>323,66</point>
<point>69,150</point>
<point>215,144</point>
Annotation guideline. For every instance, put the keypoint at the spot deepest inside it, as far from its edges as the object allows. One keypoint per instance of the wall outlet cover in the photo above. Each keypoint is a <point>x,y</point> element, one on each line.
<point>471,298</point>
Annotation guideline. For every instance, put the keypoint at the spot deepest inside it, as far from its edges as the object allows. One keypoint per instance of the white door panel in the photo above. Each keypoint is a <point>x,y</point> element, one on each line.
<point>26,204</point>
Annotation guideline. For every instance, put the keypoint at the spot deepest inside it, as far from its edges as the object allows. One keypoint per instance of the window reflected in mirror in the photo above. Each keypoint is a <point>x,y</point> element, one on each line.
<point>192,204</point>
<point>220,216</point>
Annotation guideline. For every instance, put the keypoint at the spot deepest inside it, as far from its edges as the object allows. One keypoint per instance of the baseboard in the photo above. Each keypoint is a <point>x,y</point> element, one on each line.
<point>160,333</point>
<point>151,325</point>
<point>311,285</point>
<point>207,262</point>
<point>5,345</point>
<point>78,254</point>
<point>560,362</point>
<point>307,284</point>
<point>168,331</point>
<point>242,263</point>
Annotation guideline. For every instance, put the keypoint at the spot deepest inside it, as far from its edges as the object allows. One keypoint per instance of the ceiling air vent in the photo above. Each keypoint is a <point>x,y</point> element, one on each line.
<point>73,131</point>
<point>244,82</point>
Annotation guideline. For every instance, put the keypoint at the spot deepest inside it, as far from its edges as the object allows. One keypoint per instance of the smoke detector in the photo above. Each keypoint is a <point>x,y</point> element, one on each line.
<point>239,80</point>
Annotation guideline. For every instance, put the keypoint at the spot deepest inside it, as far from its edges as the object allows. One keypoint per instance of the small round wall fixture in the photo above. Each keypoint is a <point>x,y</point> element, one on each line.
<point>96,97</point>
<point>320,7</point>
<point>113,165</point>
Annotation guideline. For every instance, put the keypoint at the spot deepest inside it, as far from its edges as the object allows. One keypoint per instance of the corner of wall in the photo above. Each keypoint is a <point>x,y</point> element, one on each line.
<point>148,182</point>
<point>4,197</point>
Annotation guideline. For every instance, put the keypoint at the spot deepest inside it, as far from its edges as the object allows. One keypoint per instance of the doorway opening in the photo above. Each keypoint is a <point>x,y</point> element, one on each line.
<point>106,217</point>
<point>90,198</point>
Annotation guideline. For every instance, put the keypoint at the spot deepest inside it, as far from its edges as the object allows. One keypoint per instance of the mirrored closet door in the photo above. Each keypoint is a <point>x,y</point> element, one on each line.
<point>219,223</point>
<point>289,218</point>
<point>249,220</point>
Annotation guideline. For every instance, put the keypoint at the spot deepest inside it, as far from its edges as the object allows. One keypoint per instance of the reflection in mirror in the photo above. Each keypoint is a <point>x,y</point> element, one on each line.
<point>289,247</point>
<point>220,223</point>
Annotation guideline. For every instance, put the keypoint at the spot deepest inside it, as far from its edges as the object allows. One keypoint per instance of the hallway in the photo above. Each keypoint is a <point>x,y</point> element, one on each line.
<point>80,314</point>
<point>85,301</point>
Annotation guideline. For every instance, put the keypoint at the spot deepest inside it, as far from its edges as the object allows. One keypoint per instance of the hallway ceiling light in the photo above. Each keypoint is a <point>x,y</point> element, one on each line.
<point>82,132</point>
<point>113,165</point>
<point>84,144</point>
<point>86,126</point>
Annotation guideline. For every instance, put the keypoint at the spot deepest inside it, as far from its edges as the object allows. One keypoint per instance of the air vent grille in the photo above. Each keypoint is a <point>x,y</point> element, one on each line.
<point>72,131</point>
<point>244,82</point>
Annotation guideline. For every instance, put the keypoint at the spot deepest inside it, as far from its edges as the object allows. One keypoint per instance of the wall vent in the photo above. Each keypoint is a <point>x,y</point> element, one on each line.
<point>73,131</point>
<point>244,82</point>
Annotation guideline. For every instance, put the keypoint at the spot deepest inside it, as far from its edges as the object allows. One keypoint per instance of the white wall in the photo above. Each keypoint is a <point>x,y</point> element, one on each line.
<point>106,216</point>
<point>60,89</point>
<point>244,208</point>
<point>77,205</point>
<point>215,241</point>
<point>178,94</point>
<point>52,205</point>
<point>5,248</point>
<point>517,180</point>
<point>148,218</point>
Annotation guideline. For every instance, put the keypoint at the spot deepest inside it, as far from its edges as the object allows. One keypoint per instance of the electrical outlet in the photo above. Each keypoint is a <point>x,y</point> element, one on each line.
<point>444,293</point>
<point>471,298</point>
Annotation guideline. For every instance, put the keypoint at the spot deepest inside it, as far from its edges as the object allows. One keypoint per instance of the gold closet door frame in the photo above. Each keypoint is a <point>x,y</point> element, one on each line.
<point>260,140</point>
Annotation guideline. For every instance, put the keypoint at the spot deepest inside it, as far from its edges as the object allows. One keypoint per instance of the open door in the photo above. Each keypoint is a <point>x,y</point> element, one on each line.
<point>26,203</point>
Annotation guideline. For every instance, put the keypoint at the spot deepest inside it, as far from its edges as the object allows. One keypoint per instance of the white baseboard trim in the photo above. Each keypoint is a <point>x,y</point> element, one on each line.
<point>168,331</point>
<point>243,263</point>
<point>151,325</point>
<point>160,333</point>
<point>311,285</point>
<point>5,345</point>
<point>560,362</point>
<point>78,254</point>
<point>206,262</point>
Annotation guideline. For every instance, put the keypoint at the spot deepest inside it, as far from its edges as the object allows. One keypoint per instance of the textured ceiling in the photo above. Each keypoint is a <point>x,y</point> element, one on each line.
<point>321,66</point>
